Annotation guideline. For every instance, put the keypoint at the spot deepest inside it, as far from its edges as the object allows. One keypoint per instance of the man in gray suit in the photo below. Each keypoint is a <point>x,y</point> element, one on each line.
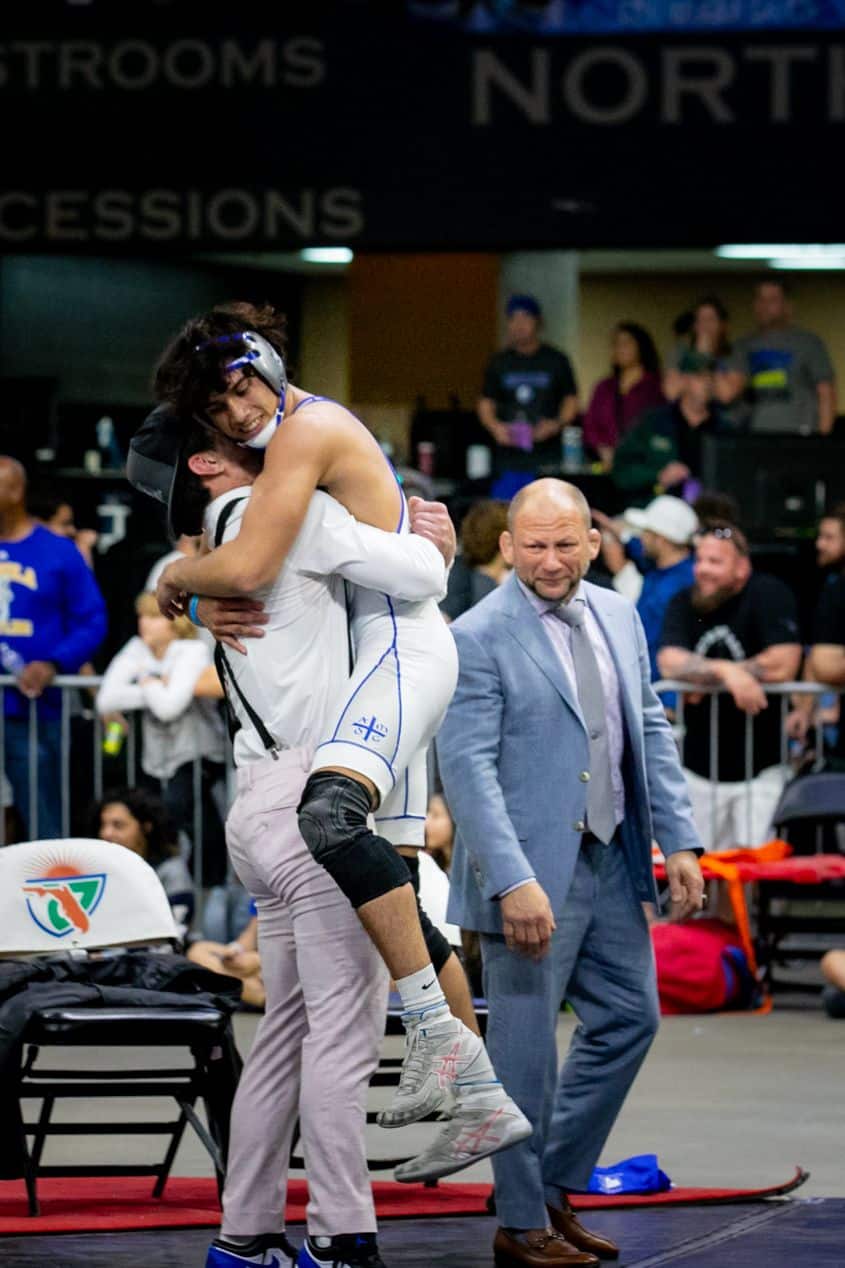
<point>560,768</point>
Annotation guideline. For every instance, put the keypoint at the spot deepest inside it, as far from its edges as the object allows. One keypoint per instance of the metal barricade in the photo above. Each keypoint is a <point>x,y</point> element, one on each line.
<point>779,691</point>
<point>77,699</point>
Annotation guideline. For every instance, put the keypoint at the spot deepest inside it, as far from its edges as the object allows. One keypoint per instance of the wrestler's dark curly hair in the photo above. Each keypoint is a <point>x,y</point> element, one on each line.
<point>188,373</point>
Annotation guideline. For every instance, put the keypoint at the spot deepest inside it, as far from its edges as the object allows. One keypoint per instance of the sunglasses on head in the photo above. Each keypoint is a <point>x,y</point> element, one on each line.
<point>721,533</point>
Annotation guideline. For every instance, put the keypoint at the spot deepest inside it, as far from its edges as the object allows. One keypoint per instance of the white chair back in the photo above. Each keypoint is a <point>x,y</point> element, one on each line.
<point>79,894</point>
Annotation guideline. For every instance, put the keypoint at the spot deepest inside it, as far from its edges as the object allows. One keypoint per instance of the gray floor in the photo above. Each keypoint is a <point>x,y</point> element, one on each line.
<point>729,1100</point>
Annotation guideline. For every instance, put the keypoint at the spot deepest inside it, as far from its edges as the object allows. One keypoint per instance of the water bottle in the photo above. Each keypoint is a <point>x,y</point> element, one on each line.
<point>572,448</point>
<point>12,661</point>
<point>113,739</point>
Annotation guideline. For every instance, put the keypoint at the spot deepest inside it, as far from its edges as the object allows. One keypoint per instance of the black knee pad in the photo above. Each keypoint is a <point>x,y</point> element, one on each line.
<point>333,822</point>
<point>437,945</point>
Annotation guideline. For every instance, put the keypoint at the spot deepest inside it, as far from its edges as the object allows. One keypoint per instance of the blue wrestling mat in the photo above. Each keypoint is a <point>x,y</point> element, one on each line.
<point>772,1234</point>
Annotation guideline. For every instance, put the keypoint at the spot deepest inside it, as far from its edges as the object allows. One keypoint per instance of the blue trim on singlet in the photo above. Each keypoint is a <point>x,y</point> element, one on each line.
<point>405,807</point>
<point>393,818</point>
<point>309,400</point>
<point>393,644</point>
<point>392,649</point>
<point>363,747</point>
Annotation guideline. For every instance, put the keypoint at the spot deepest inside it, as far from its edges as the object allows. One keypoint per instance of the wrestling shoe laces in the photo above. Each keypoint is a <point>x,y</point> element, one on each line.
<point>346,1250</point>
<point>436,1059</point>
<point>481,1126</point>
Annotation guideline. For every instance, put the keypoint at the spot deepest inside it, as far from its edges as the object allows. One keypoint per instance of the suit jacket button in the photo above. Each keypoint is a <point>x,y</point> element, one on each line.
<point>579,825</point>
<point>584,777</point>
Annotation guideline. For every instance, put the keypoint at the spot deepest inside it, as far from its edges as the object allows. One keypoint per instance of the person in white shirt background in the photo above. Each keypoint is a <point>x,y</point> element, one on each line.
<point>159,673</point>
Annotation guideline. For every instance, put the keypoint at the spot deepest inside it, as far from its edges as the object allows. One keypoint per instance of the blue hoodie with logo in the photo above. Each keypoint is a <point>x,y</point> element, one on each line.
<point>50,609</point>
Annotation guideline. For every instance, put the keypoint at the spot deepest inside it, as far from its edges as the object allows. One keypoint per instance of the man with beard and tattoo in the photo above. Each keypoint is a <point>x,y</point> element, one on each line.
<point>733,629</point>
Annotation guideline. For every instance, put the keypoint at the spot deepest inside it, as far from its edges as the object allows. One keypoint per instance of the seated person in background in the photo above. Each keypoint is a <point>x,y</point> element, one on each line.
<point>833,967</point>
<point>632,387</point>
<point>439,831</point>
<point>160,672</point>
<point>439,840</point>
<point>238,958</point>
<point>137,819</point>
<point>662,453</point>
<point>434,881</point>
<point>733,629</point>
<point>479,567</point>
<point>660,562</point>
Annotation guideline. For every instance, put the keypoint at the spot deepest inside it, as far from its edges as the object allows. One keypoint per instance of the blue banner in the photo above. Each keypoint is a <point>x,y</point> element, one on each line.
<point>606,17</point>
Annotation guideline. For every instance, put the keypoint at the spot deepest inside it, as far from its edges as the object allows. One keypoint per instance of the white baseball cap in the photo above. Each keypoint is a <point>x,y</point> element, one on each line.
<point>670,517</point>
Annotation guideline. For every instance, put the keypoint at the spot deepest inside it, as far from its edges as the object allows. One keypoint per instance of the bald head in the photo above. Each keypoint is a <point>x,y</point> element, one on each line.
<point>547,497</point>
<point>12,485</point>
<point>549,541</point>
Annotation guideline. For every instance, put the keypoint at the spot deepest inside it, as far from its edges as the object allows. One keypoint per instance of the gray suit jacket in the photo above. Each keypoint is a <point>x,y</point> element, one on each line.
<point>514,743</point>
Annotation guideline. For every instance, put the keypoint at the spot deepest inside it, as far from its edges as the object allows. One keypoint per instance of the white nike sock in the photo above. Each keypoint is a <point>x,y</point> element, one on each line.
<point>422,996</point>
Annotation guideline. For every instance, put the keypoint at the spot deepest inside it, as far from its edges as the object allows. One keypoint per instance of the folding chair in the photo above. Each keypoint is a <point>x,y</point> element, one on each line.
<point>816,804</point>
<point>80,897</point>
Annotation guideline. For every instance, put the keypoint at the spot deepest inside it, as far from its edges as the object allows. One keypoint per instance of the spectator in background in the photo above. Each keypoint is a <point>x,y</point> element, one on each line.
<point>52,620</point>
<point>716,508</point>
<point>827,655</point>
<point>439,831</point>
<point>813,710</point>
<point>158,673</point>
<point>786,372</point>
<point>529,395</point>
<point>833,997</point>
<point>480,566</point>
<point>734,629</point>
<point>631,388</point>
<point>830,542</point>
<point>660,563</point>
<point>184,548</point>
<point>138,820</point>
<point>663,452</point>
<point>708,342</point>
<point>57,515</point>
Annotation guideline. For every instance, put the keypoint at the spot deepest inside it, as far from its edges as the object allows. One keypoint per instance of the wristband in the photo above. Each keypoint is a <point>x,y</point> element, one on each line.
<point>193,615</point>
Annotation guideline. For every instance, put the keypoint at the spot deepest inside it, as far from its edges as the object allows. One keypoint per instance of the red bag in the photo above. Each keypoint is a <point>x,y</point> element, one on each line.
<point>701,967</point>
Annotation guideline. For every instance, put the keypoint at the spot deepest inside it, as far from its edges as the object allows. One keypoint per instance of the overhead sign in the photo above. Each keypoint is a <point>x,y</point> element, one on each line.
<point>364,125</point>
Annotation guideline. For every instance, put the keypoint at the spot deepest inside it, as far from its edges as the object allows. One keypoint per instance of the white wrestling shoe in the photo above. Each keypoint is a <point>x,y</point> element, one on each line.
<point>481,1126</point>
<point>438,1059</point>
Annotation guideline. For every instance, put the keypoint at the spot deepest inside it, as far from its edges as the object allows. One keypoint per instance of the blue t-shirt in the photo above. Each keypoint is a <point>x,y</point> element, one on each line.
<point>50,609</point>
<point>659,586</point>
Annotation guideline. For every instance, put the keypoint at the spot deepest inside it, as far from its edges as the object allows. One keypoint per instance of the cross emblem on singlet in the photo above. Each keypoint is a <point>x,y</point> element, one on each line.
<point>370,730</point>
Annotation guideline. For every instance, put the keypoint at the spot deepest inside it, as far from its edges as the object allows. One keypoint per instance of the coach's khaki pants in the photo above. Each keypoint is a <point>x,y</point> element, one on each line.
<point>318,1042</point>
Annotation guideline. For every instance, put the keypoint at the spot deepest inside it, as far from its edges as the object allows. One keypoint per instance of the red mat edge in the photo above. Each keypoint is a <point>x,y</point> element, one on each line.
<point>203,1212</point>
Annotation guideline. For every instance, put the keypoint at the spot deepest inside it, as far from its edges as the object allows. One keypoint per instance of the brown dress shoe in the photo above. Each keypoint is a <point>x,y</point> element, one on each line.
<point>538,1248</point>
<point>564,1221</point>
